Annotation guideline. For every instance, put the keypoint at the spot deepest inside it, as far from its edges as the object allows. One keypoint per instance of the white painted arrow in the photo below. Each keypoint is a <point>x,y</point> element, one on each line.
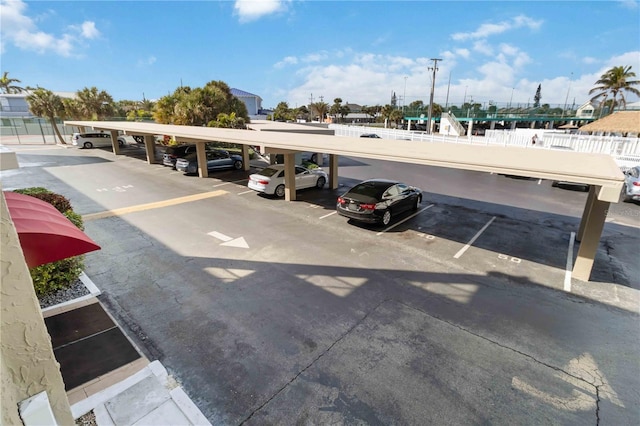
<point>228,241</point>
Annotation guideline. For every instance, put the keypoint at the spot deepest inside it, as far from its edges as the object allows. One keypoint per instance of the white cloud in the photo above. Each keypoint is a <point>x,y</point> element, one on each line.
<point>629,4</point>
<point>150,60</point>
<point>463,52</point>
<point>89,30</point>
<point>487,30</point>
<point>252,10</point>
<point>289,60</point>
<point>589,60</point>
<point>18,29</point>
<point>481,46</point>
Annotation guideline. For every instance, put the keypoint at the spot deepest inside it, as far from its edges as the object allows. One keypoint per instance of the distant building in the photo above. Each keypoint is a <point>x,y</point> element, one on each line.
<point>586,110</point>
<point>252,102</point>
<point>14,105</point>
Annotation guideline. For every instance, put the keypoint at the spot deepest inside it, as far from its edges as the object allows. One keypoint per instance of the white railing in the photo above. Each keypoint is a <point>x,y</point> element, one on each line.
<point>625,151</point>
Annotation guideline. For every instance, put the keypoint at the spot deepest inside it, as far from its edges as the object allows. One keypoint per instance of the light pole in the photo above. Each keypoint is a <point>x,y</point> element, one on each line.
<point>511,98</point>
<point>404,95</point>
<point>566,99</point>
<point>433,88</point>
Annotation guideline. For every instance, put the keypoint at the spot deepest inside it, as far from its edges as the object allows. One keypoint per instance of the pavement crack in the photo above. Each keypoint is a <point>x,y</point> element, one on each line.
<point>526,355</point>
<point>316,359</point>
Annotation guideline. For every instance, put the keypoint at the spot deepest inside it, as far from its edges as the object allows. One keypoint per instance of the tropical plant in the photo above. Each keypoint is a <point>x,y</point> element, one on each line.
<point>199,106</point>
<point>61,274</point>
<point>229,121</point>
<point>320,109</point>
<point>7,84</point>
<point>94,104</point>
<point>615,82</point>
<point>282,112</point>
<point>44,103</point>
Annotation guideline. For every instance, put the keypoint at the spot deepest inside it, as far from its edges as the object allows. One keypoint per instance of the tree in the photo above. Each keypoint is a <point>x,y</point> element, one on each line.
<point>282,112</point>
<point>7,86</point>
<point>537,97</point>
<point>371,111</point>
<point>44,103</point>
<point>94,104</point>
<point>615,82</point>
<point>199,106</point>
<point>320,109</point>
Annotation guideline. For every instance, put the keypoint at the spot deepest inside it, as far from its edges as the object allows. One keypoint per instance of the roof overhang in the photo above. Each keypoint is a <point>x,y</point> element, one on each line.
<point>593,169</point>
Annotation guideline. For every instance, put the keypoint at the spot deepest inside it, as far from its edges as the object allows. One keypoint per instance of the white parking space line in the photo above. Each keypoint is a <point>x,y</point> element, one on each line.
<point>221,184</point>
<point>246,192</point>
<point>404,220</point>
<point>567,271</point>
<point>475,237</point>
<point>327,215</point>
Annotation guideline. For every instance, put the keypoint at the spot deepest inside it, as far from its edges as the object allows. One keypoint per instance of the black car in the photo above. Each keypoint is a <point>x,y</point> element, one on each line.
<point>369,135</point>
<point>378,200</point>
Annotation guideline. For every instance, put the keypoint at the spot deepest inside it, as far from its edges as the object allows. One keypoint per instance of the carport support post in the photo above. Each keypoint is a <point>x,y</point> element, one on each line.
<point>289,177</point>
<point>114,142</point>
<point>333,171</point>
<point>245,157</point>
<point>201,153</point>
<point>591,226</point>
<point>149,146</point>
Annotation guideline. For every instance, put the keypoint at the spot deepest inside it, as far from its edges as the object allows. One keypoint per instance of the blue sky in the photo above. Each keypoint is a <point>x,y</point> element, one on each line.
<point>360,51</point>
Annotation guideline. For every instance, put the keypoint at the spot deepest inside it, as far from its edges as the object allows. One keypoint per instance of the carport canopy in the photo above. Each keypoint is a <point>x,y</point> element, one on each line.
<point>597,170</point>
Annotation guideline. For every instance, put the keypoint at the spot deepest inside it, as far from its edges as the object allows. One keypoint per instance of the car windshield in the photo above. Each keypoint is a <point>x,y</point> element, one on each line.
<point>371,189</point>
<point>269,171</point>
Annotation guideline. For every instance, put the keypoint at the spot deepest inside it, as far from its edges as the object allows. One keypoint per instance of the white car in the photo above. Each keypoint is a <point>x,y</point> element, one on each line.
<point>90,140</point>
<point>271,179</point>
<point>631,188</point>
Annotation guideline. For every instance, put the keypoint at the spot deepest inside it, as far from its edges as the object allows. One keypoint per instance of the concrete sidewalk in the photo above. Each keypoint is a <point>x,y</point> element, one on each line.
<point>148,397</point>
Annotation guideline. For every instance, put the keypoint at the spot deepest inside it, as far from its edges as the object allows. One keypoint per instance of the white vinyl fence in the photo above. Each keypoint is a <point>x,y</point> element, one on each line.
<point>625,151</point>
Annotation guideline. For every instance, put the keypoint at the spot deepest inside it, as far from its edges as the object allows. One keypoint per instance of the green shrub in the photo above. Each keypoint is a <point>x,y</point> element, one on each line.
<point>60,202</point>
<point>54,276</point>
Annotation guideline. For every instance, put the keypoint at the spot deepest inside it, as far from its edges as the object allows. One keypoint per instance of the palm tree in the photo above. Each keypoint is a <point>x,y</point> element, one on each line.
<point>94,104</point>
<point>615,82</point>
<point>320,108</point>
<point>7,86</point>
<point>44,103</point>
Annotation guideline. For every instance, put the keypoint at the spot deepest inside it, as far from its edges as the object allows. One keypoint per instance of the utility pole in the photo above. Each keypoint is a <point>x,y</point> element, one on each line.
<point>433,88</point>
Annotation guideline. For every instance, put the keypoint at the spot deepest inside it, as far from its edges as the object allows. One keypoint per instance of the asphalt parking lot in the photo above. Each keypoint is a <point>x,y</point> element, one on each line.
<point>274,312</point>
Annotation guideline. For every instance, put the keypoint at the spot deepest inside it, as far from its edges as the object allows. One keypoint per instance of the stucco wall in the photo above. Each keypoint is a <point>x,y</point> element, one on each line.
<point>26,355</point>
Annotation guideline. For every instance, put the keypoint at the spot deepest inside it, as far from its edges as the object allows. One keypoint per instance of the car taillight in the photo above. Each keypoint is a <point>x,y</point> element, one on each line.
<point>636,183</point>
<point>263,182</point>
<point>368,206</point>
<point>340,200</point>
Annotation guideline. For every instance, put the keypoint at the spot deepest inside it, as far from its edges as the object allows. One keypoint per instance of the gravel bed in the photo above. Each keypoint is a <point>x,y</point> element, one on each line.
<point>77,289</point>
<point>88,419</point>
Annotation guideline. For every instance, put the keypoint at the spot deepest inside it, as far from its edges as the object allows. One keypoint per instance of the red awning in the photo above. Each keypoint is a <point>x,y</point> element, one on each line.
<point>46,235</point>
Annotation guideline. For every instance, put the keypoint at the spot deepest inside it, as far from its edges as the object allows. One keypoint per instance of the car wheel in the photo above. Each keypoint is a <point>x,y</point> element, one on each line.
<point>386,217</point>
<point>87,145</point>
<point>279,191</point>
<point>320,183</point>
<point>237,165</point>
<point>314,158</point>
